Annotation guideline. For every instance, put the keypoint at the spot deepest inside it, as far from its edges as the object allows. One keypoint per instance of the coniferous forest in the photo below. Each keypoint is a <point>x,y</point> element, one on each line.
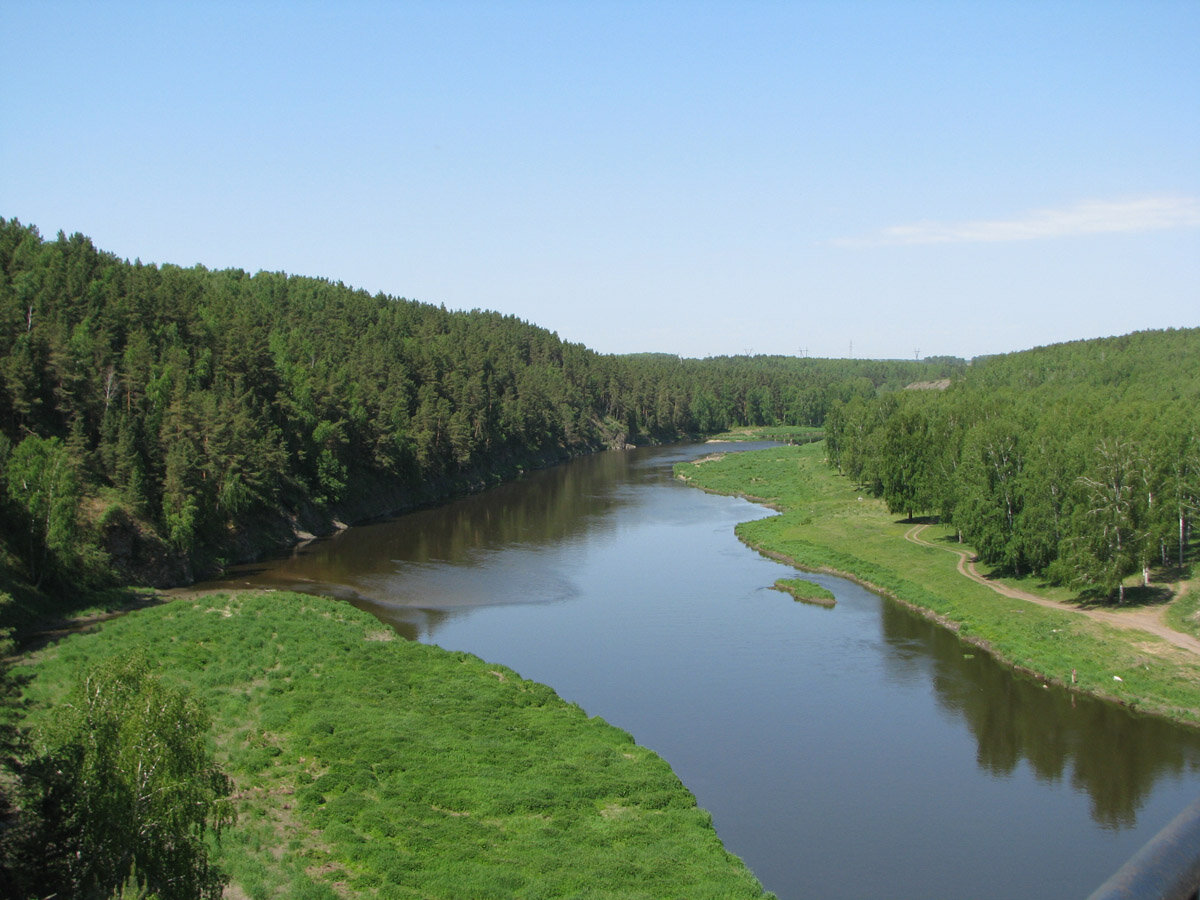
<point>158,422</point>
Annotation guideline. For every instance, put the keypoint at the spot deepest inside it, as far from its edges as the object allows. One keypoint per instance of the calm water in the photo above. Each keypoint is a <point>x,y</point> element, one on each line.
<point>850,752</point>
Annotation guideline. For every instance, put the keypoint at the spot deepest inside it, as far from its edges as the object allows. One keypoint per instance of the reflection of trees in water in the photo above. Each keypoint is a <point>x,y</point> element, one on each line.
<point>1114,755</point>
<point>547,507</point>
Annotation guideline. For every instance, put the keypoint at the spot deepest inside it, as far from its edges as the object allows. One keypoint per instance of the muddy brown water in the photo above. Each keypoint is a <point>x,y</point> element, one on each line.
<point>852,752</point>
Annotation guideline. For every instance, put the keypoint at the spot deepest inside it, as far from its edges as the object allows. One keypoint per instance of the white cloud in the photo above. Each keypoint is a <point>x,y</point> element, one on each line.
<point>1092,217</point>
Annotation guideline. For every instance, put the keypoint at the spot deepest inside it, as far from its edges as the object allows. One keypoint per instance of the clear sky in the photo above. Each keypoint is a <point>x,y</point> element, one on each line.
<point>876,179</point>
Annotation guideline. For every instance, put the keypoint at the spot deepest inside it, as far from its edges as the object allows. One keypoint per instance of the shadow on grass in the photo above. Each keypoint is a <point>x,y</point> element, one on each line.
<point>1137,597</point>
<point>37,618</point>
<point>919,520</point>
<point>39,634</point>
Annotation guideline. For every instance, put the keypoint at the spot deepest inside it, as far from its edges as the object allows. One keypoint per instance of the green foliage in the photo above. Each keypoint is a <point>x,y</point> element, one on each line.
<point>123,790</point>
<point>133,889</point>
<point>374,767</point>
<point>907,462</point>
<point>1080,461</point>
<point>216,402</point>
<point>1110,538</point>
<point>44,491</point>
<point>991,499</point>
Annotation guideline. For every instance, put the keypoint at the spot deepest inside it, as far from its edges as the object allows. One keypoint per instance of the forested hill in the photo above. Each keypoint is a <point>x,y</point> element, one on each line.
<point>156,421</point>
<point>1080,461</point>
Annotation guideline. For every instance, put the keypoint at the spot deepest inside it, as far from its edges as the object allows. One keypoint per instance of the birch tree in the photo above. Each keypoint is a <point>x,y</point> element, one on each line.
<point>1109,540</point>
<point>124,787</point>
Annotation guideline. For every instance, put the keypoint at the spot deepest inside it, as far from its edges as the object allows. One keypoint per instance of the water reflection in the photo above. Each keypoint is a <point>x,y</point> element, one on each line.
<point>817,738</point>
<point>1115,755</point>
<point>399,562</point>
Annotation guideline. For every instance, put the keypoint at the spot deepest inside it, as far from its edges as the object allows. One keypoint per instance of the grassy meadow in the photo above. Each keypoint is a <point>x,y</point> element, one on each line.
<point>828,526</point>
<point>369,766</point>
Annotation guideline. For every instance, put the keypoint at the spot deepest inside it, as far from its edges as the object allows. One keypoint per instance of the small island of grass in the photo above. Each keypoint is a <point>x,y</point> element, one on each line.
<point>805,591</point>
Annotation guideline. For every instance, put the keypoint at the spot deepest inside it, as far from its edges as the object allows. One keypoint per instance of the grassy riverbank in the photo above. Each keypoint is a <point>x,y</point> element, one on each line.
<point>827,526</point>
<point>369,766</point>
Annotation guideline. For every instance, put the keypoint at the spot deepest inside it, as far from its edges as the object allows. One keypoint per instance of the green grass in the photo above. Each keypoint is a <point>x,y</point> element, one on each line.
<point>827,526</point>
<point>369,766</point>
<point>805,591</point>
<point>1184,613</point>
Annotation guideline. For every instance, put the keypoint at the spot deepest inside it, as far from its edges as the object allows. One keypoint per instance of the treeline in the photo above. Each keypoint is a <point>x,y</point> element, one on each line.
<point>1079,461</point>
<point>157,413</point>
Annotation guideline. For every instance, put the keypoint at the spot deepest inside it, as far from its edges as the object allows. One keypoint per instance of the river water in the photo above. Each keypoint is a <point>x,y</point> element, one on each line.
<point>852,752</point>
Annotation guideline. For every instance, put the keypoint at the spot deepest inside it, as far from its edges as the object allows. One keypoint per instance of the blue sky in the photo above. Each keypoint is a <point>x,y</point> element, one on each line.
<point>875,179</point>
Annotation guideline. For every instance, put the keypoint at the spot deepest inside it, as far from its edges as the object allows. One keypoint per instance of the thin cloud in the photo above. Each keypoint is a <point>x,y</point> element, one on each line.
<point>1094,217</point>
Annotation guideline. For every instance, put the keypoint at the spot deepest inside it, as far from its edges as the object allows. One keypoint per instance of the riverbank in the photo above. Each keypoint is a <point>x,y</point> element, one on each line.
<point>142,565</point>
<point>365,765</point>
<point>825,525</point>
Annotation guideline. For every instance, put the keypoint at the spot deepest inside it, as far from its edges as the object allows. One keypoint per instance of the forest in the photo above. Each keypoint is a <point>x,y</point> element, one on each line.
<point>1079,462</point>
<point>159,422</point>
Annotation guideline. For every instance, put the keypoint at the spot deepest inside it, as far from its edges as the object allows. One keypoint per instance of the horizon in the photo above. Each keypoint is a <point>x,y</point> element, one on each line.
<point>968,360</point>
<point>879,180</point>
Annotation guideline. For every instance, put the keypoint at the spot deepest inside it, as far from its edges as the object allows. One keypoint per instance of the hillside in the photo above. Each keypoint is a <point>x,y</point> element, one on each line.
<point>158,422</point>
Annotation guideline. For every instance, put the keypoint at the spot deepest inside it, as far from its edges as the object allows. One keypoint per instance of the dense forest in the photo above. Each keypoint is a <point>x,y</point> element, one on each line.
<point>157,422</point>
<point>1079,461</point>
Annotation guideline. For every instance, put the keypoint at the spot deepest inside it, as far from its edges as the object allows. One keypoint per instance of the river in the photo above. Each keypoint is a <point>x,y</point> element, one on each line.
<point>852,752</point>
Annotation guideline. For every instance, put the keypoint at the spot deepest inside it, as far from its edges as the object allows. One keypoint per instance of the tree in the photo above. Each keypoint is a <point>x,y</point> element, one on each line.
<point>906,462</point>
<point>1110,539</point>
<point>835,427</point>
<point>1178,474</point>
<point>43,487</point>
<point>123,787</point>
<point>859,443</point>
<point>1049,470</point>
<point>988,508</point>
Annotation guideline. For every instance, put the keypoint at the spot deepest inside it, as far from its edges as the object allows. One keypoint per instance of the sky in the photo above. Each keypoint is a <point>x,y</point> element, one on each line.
<point>830,179</point>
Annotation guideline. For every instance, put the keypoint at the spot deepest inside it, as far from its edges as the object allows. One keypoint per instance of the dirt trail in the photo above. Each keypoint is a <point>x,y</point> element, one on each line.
<point>1149,620</point>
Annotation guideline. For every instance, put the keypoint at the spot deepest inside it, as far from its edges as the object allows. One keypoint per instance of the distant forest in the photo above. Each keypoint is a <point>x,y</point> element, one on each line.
<point>1079,462</point>
<point>158,422</point>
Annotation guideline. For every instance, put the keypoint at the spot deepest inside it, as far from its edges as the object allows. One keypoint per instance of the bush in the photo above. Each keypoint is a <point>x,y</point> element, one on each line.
<point>122,791</point>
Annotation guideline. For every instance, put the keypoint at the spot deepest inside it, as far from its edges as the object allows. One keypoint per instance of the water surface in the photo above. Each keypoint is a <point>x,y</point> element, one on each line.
<point>851,752</point>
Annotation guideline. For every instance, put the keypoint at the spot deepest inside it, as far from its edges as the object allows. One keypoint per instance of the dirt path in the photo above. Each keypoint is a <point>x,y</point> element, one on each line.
<point>1149,620</point>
